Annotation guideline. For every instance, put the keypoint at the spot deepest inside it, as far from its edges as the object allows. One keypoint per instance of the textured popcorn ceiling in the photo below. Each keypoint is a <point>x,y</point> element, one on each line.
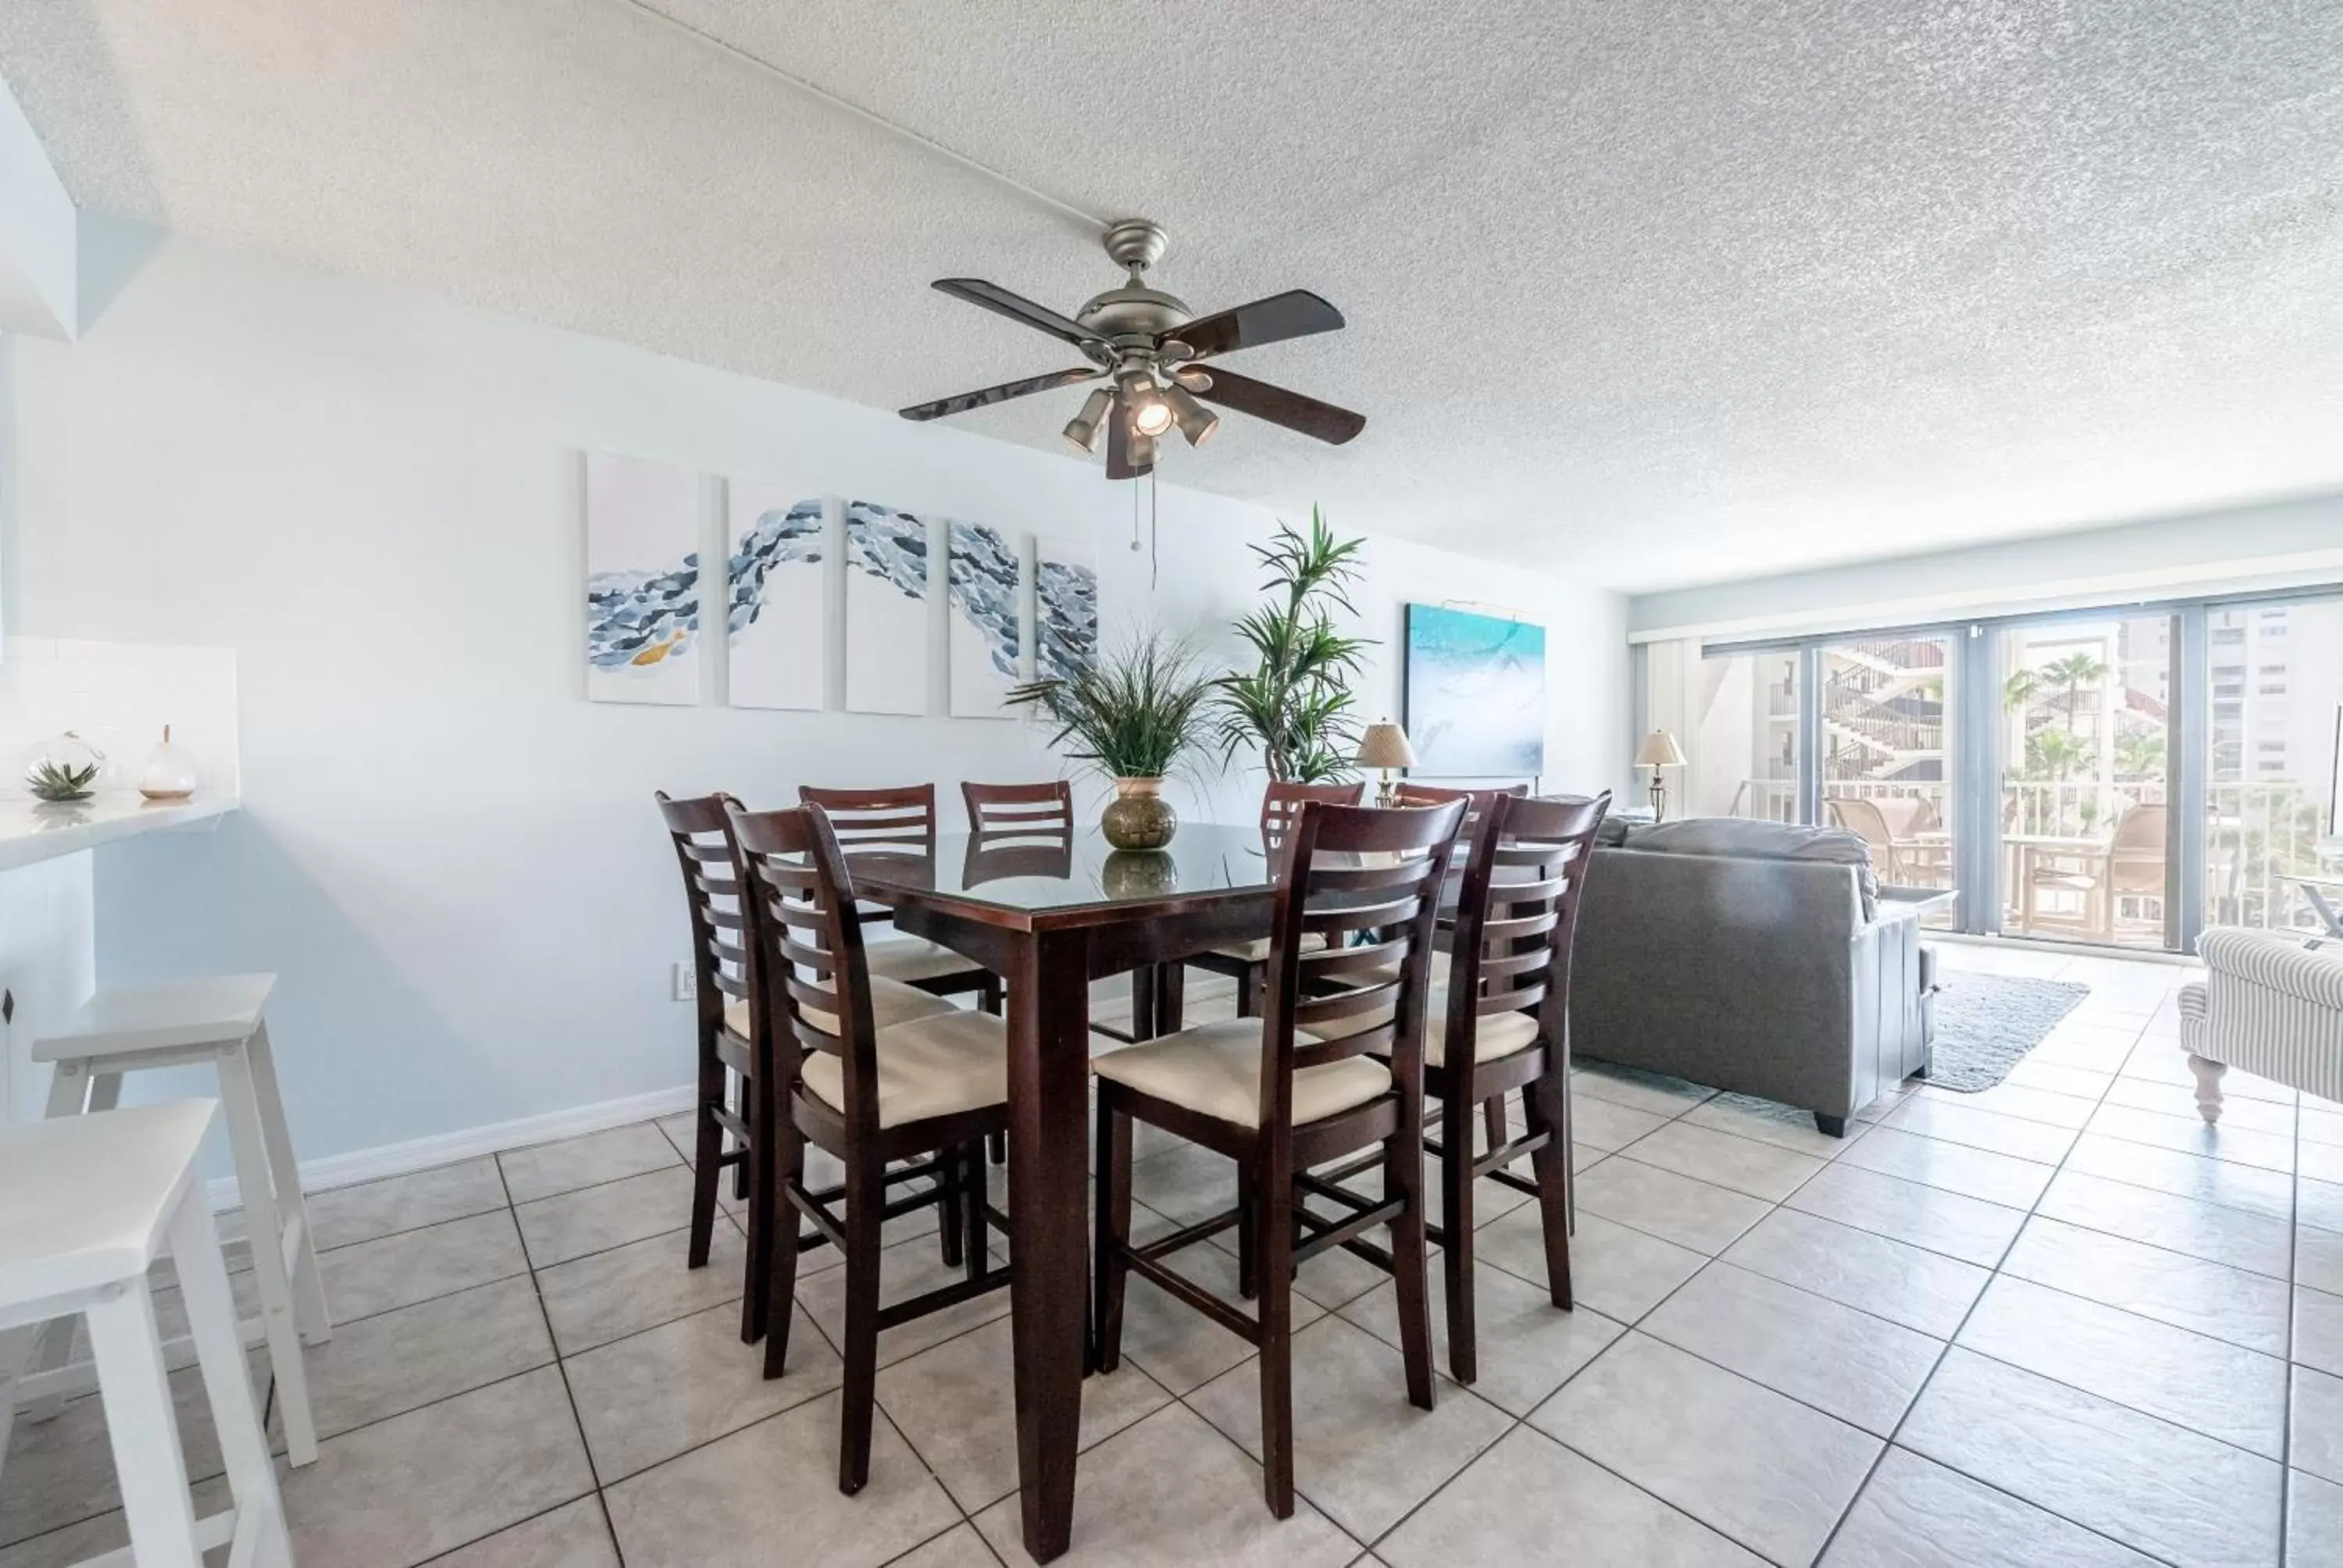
<point>1656,292</point>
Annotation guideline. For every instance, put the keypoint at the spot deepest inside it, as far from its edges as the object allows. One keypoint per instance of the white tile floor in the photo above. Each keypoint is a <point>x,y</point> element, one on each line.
<point>2059,1322</point>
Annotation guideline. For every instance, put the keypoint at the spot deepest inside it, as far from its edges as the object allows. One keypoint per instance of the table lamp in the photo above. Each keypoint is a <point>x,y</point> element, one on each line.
<point>1659,750</point>
<point>1384,746</point>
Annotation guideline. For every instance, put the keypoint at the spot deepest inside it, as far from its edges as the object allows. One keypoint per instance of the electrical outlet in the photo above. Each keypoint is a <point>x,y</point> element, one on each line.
<point>687,982</point>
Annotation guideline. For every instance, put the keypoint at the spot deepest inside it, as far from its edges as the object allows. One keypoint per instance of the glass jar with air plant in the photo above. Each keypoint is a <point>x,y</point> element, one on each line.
<point>65,769</point>
<point>1133,714</point>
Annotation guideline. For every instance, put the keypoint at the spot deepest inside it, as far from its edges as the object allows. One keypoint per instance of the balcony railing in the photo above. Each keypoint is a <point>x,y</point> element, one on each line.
<point>2257,834</point>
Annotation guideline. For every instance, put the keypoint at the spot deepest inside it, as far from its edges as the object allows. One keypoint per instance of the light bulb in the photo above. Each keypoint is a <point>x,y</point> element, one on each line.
<point>1150,415</point>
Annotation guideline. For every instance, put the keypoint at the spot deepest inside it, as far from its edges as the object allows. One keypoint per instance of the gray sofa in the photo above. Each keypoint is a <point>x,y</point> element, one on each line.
<point>1756,957</point>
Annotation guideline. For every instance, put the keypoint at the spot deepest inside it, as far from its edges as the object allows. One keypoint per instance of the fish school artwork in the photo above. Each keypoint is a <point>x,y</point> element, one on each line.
<point>1066,612</point>
<point>643,581</point>
<point>818,590</point>
<point>778,624</point>
<point>886,609</point>
<point>986,627</point>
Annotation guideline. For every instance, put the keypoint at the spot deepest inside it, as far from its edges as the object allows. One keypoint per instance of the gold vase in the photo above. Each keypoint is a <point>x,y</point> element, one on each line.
<point>1138,817</point>
<point>1139,874</point>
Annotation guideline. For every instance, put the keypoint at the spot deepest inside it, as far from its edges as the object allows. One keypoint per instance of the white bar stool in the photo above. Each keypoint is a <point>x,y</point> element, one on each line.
<point>214,1020</point>
<point>85,1204</point>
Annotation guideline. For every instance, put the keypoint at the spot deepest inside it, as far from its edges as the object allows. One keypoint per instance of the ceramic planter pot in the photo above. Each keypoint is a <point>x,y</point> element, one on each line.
<point>1138,817</point>
<point>170,771</point>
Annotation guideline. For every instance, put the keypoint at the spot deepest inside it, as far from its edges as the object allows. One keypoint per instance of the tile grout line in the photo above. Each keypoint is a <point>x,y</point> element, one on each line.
<point>576,1421</point>
<point>1774,1205</point>
<point>1925,1383</point>
<point>2293,1306</point>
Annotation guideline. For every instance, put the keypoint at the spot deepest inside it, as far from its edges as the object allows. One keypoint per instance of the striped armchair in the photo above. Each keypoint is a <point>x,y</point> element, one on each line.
<point>2271,1002</point>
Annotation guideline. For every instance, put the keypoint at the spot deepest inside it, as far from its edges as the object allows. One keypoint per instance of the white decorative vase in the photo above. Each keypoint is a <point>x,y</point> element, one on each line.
<point>170,771</point>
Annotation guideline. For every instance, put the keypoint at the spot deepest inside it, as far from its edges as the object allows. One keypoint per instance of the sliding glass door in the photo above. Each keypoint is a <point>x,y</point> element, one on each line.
<point>1743,751</point>
<point>1885,763</point>
<point>2087,851</point>
<point>2120,777</point>
<point>2273,846</point>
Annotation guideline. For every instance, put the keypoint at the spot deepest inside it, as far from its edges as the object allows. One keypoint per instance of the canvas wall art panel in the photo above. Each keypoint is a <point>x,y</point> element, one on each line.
<point>777,621</point>
<point>986,635</point>
<point>1066,610</point>
<point>643,581</point>
<point>1475,694</point>
<point>886,609</point>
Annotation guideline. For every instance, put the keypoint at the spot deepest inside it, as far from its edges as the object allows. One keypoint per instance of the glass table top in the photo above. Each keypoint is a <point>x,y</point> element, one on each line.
<point>1036,872</point>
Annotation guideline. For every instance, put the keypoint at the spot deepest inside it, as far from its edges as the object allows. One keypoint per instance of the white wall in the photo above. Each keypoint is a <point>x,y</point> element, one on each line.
<point>2280,545</point>
<point>38,261</point>
<point>449,855</point>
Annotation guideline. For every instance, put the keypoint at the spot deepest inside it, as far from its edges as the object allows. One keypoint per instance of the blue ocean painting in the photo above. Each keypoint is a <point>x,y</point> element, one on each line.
<point>1475,694</point>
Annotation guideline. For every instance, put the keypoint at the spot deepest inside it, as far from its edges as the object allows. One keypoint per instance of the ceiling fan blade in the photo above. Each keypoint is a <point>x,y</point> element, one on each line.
<point>1296,313</point>
<point>961,403</point>
<point>1280,407</point>
<point>1017,307</point>
<point>1118,465</point>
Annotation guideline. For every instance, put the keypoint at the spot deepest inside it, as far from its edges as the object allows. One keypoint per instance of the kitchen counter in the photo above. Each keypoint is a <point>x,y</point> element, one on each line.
<point>33,830</point>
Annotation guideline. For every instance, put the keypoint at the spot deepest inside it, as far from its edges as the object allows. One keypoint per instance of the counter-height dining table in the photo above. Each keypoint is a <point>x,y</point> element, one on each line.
<point>1051,913</point>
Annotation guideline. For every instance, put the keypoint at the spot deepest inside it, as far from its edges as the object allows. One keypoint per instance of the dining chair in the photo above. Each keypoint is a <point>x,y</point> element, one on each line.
<point>1476,805</point>
<point>1501,1023</point>
<point>724,1135</point>
<point>1294,1088</point>
<point>902,821</point>
<point>999,809</point>
<point>1029,828</point>
<point>919,1096</point>
<point>1246,962</point>
<point>720,1106</point>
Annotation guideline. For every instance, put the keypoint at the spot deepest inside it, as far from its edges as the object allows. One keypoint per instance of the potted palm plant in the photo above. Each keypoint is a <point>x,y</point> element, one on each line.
<point>1295,703</point>
<point>1132,714</point>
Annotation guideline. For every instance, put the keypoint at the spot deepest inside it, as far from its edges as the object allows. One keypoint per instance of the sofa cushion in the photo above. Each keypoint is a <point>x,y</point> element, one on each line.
<point>1743,839</point>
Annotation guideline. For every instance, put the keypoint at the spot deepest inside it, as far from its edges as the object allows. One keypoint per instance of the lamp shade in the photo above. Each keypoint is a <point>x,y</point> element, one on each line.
<point>1659,750</point>
<point>1384,745</point>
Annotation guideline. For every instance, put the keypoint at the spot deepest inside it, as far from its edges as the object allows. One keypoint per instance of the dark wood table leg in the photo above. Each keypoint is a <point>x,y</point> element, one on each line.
<point>1143,993</point>
<point>1049,1175</point>
<point>1171,997</point>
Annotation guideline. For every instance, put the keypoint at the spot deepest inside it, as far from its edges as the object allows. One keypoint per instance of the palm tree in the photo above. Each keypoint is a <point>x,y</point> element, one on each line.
<point>2073,673</point>
<point>2055,753</point>
<point>2141,754</point>
<point>1295,703</point>
<point>2020,689</point>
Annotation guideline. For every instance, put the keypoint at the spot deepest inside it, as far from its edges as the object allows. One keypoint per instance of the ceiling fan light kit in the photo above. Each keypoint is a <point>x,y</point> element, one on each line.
<point>1083,428</point>
<point>1148,345</point>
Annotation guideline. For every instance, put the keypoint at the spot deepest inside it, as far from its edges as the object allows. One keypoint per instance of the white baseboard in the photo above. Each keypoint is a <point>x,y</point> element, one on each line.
<point>471,1142</point>
<point>447,1148</point>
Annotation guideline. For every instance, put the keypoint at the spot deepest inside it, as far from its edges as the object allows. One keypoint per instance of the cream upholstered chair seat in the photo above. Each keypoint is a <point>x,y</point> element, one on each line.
<point>1257,950</point>
<point>1214,1070</point>
<point>1498,1036</point>
<point>891,1002</point>
<point>939,1065</point>
<point>1503,1035</point>
<point>912,959</point>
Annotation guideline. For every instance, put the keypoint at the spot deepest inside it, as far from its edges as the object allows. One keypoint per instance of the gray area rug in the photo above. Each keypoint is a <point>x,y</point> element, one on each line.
<point>1986,1023</point>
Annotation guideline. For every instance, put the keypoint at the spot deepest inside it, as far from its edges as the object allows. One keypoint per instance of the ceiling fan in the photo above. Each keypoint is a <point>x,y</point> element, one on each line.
<point>1159,356</point>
